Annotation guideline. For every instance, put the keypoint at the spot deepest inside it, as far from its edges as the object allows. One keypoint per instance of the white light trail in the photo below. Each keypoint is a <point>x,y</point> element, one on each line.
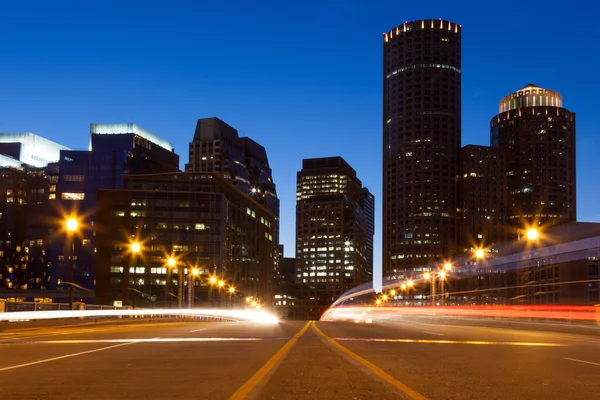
<point>236,315</point>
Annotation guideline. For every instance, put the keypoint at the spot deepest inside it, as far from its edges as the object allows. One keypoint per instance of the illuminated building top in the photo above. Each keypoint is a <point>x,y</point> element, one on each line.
<point>129,128</point>
<point>422,24</point>
<point>530,96</point>
<point>29,148</point>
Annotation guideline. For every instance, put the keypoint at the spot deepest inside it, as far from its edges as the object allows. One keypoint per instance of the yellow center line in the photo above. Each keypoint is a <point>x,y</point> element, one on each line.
<point>413,394</point>
<point>255,379</point>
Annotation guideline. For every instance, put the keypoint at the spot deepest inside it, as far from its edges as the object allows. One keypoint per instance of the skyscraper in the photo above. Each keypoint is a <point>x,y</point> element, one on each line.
<point>334,229</point>
<point>421,142</point>
<point>538,135</point>
<point>217,147</point>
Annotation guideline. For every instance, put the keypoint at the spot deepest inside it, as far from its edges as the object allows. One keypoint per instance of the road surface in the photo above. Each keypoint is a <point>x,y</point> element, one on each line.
<point>297,360</point>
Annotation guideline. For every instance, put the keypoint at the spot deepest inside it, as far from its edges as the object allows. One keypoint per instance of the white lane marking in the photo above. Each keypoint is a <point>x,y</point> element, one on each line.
<point>65,356</point>
<point>198,330</point>
<point>434,333</point>
<point>581,361</point>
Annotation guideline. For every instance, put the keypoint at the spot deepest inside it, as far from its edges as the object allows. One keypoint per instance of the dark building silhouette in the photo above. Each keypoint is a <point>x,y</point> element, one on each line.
<point>538,135</point>
<point>334,225</point>
<point>199,218</point>
<point>483,199</point>
<point>115,151</point>
<point>421,143</point>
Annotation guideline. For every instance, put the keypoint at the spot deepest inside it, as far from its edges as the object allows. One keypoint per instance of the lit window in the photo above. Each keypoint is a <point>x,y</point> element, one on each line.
<point>72,196</point>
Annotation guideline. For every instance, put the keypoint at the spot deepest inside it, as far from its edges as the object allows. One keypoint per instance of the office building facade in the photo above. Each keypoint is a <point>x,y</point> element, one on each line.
<point>483,197</point>
<point>198,218</point>
<point>25,211</point>
<point>115,151</point>
<point>334,225</point>
<point>421,143</point>
<point>538,135</point>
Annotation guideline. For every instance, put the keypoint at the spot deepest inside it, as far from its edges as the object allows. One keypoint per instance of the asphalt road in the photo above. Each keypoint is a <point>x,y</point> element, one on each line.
<point>219,360</point>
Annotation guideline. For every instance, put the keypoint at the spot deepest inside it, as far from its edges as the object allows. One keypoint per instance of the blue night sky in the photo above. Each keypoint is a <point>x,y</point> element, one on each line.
<point>301,78</point>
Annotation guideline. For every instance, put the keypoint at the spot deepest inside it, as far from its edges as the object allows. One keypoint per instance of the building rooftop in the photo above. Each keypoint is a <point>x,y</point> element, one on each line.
<point>130,128</point>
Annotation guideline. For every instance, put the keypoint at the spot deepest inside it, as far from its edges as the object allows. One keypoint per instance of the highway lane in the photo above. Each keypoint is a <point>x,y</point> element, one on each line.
<point>220,360</point>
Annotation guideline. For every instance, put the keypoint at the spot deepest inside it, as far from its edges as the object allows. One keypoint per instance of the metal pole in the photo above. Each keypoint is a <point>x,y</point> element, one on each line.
<point>180,286</point>
<point>72,266</point>
<point>442,300</point>
<point>190,290</point>
<point>433,290</point>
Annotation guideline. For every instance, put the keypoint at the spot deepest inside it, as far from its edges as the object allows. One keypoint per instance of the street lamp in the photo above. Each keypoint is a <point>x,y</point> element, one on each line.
<point>448,266</point>
<point>72,225</point>
<point>172,262</point>
<point>532,234</point>
<point>479,254</point>
<point>134,248</point>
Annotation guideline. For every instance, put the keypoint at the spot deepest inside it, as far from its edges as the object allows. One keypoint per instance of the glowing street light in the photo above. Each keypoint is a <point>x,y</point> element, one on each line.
<point>253,304</point>
<point>410,283</point>
<point>384,297</point>
<point>195,271</point>
<point>479,253</point>
<point>442,274</point>
<point>403,286</point>
<point>72,224</point>
<point>212,280</point>
<point>532,234</point>
<point>171,262</point>
<point>447,266</point>
<point>378,301</point>
<point>232,290</point>
<point>392,292</point>
<point>135,247</point>
<point>221,284</point>
<point>247,299</point>
<point>427,276</point>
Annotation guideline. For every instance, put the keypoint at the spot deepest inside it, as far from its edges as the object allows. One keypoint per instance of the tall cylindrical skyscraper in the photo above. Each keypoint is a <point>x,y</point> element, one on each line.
<point>421,142</point>
<point>539,137</point>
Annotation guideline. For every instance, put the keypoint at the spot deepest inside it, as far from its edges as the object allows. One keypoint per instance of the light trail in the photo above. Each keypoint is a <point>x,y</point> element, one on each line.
<point>235,315</point>
<point>530,312</point>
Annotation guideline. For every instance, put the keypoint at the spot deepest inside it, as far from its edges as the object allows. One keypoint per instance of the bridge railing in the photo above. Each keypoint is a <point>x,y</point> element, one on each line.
<point>16,306</point>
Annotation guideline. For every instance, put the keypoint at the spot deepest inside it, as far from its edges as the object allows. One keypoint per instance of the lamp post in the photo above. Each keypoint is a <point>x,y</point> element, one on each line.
<point>191,274</point>
<point>221,284</point>
<point>446,270</point>
<point>134,249</point>
<point>72,225</point>
<point>231,293</point>
<point>431,276</point>
<point>172,262</point>
<point>479,255</point>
